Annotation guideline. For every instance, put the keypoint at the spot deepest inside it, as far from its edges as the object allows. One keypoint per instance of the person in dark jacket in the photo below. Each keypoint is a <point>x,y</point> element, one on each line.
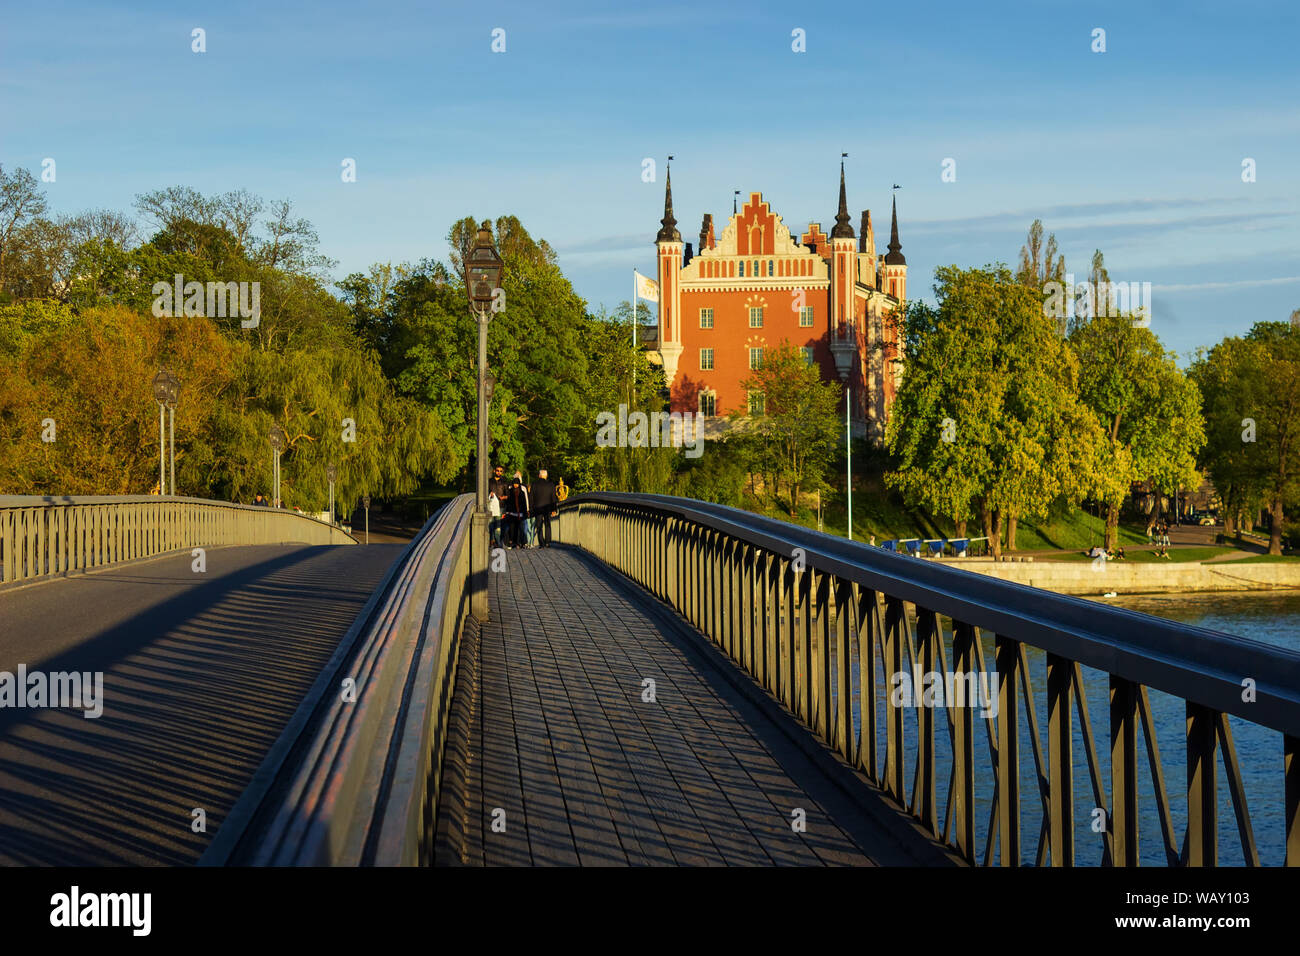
<point>544,503</point>
<point>261,502</point>
<point>497,485</point>
<point>515,511</point>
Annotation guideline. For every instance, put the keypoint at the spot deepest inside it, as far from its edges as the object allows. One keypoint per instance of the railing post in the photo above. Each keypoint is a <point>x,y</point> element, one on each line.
<point>1060,764</point>
<point>845,618</point>
<point>1007,654</point>
<point>924,803</point>
<point>1291,771</point>
<point>1202,803</point>
<point>963,750</point>
<point>895,621</point>
<point>1123,770</point>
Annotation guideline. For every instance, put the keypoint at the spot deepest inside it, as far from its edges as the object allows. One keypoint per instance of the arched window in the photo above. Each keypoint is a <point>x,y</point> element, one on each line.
<point>771,267</point>
<point>742,270</point>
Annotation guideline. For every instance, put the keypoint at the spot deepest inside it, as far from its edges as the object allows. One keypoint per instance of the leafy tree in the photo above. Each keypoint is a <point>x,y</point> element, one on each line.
<point>1250,389</point>
<point>795,437</point>
<point>1148,410</point>
<point>987,419</point>
<point>21,201</point>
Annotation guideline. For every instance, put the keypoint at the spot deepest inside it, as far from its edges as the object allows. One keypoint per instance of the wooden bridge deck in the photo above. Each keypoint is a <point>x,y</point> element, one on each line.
<point>551,737</point>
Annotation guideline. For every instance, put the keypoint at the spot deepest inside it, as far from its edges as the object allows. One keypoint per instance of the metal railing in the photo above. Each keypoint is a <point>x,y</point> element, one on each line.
<point>834,629</point>
<point>48,536</point>
<point>355,777</point>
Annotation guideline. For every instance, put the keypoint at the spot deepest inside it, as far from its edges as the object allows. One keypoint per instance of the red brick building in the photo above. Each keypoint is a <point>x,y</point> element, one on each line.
<point>754,287</point>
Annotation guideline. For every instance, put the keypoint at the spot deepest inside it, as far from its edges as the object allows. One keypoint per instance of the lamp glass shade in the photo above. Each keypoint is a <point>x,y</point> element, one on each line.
<point>277,438</point>
<point>482,269</point>
<point>161,387</point>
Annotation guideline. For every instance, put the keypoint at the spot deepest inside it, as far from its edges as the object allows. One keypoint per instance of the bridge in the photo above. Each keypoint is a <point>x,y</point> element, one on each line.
<point>673,683</point>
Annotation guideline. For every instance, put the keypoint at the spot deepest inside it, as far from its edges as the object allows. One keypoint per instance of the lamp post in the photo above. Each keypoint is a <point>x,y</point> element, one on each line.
<point>365,502</point>
<point>173,399</point>
<point>278,439</point>
<point>161,391</point>
<point>332,474</point>
<point>482,279</point>
<point>843,347</point>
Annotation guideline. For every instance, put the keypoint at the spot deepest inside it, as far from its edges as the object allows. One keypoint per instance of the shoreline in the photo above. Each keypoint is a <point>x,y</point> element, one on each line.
<point>1086,580</point>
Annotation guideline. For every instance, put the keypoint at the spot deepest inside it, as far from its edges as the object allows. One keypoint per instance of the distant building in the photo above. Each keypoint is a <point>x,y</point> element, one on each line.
<point>755,286</point>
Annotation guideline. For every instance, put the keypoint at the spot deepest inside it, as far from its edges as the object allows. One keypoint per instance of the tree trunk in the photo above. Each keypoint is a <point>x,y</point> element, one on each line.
<point>960,531</point>
<point>1275,526</point>
<point>1011,531</point>
<point>1229,524</point>
<point>1112,526</point>
<point>986,519</point>
<point>995,534</point>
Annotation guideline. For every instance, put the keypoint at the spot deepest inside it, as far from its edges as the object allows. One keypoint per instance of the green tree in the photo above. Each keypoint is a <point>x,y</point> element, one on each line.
<point>987,419</point>
<point>795,437</point>
<point>1250,390</point>
<point>1148,410</point>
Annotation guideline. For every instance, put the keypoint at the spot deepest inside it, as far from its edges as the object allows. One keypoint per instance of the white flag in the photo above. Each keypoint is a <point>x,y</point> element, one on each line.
<point>647,289</point>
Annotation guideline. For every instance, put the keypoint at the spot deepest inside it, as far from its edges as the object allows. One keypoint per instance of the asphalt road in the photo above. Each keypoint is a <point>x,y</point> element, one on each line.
<point>201,672</point>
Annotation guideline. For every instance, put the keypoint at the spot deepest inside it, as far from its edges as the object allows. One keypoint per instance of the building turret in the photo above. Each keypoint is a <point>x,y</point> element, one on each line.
<point>844,268</point>
<point>895,277</point>
<point>668,244</point>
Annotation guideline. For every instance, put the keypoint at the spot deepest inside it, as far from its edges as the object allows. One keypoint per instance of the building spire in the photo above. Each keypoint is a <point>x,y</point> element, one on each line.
<point>668,232</point>
<point>895,254</point>
<point>842,229</point>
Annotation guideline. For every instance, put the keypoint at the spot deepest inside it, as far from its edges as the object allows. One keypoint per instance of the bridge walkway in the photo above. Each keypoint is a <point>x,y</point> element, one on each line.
<point>553,737</point>
<point>201,673</point>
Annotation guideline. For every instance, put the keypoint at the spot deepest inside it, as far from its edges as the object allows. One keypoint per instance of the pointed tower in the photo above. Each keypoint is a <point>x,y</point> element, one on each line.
<point>844,267</point>
<point>895,264</point>
<point>867,251</point>
<point>668,244</point>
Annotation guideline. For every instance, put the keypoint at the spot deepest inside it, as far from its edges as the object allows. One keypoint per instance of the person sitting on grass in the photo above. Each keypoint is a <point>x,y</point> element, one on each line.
<point>1119,554</point>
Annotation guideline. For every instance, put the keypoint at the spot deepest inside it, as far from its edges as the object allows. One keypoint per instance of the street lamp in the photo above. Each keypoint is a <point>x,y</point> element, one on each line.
<point>173,399</point>
<point>482,280</point>
<point>843,347</point>
<point>163,384</point>
<point>365,502</point>
<point>278,440</point>
<point>332,474</point>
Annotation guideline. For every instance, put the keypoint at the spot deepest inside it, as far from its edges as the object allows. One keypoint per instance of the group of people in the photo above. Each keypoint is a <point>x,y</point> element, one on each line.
<point>1158,533</point>
<point>521,513</point>
<point>1110,554</point>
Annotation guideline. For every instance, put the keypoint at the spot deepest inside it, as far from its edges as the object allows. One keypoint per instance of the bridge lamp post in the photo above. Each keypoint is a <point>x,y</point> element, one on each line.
<point>162,391</point>
<point>843,348</point>
<point>482,280</point>
<point>173,399</point>
<point>332,474</point>
<point>278,440</point>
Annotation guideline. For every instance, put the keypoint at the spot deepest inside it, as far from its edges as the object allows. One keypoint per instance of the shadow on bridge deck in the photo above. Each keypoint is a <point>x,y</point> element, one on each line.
<point>201,674</point>
<point>551,735</point>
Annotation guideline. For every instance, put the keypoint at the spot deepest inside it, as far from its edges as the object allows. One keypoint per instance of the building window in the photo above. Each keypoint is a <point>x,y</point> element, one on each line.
<point>756,403</point>
<point>706,319</point>
<point>771,267</point>
<point>756,317</point>
<point>709,403</point>
<point>807,354</point>
<point>806,317</point>
<point>742,270</point>
<point>755,359</point>
<point>706,359</point>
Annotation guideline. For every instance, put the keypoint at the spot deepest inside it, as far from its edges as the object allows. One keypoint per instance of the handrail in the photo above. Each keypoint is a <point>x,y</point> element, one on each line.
<point>818,621</point>
<point>53,535</point>
<point>355,777</point>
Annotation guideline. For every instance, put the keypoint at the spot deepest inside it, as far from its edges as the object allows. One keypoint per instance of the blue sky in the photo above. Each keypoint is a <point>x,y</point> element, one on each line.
<point>1136,151</point>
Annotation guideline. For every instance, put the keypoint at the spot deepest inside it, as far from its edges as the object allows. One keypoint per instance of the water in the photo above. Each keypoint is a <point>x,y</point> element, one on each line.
<point>1272,618</point>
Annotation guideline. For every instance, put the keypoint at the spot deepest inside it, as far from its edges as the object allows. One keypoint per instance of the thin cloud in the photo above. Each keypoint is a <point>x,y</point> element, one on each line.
<point>1239,284</point>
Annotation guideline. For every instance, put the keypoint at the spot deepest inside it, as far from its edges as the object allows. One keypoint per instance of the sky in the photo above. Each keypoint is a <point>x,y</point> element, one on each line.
<point>1137,151</point>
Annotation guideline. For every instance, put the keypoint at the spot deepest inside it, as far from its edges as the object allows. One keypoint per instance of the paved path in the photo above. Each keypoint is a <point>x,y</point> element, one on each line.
<point>201,672</point>
<point>551,735</point>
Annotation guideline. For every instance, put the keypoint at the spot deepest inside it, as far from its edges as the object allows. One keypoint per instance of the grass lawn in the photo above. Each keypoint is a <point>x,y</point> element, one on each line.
<point>1270,559</point>
<point>1176,555</point>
